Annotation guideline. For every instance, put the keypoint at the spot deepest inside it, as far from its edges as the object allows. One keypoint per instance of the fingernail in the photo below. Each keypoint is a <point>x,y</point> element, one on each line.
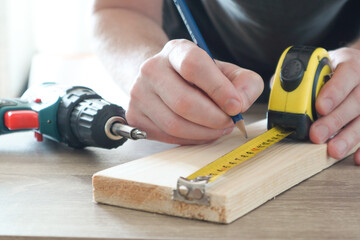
<point>232,106</point>
<point>327,104</point>
<point>228,130</point>
<point>340,146</point>
<point>322,132</point>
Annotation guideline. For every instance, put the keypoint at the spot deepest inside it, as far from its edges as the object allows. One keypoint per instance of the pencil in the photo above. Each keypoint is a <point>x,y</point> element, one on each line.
<point>199,40</point>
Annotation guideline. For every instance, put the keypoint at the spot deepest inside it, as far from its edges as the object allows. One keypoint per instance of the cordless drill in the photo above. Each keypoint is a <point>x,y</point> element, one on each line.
<point>76,116</point>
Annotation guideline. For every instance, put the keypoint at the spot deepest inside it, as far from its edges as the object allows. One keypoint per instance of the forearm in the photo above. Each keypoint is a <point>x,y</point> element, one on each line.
<point>124,40</point>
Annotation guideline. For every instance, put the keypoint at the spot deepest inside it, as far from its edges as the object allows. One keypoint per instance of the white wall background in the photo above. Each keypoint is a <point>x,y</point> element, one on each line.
<point>28,27</point>
<point>61,26</point>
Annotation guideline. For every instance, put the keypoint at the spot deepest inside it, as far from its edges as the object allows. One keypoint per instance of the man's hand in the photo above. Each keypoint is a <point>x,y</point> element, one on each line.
<point>339,104</point>
<point>181,96</point>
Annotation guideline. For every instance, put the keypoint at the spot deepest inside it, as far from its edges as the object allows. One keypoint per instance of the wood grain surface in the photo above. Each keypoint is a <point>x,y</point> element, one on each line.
<point>46,193</point>
<point>148,183</point>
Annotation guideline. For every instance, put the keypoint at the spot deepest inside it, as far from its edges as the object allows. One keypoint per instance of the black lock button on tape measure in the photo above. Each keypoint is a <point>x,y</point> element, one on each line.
<point>299,76</point>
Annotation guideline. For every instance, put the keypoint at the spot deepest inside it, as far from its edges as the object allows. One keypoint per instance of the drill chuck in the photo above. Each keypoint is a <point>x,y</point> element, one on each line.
<point>85,119</point>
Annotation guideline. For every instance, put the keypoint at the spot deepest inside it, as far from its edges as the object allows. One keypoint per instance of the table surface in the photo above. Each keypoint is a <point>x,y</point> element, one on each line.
<point>46,191</point>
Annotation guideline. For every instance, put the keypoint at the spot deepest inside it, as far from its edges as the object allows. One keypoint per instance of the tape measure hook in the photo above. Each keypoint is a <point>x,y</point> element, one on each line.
<point>192,191</point>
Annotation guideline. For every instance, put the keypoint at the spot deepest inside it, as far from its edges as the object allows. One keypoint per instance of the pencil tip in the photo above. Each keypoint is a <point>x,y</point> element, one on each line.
<point>241,126</point>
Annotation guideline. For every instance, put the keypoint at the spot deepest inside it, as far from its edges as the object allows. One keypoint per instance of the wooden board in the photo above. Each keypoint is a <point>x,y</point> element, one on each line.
<point>147,183</point>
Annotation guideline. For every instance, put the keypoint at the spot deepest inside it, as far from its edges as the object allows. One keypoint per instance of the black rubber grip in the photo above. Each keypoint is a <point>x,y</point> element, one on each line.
<point>82,116</point>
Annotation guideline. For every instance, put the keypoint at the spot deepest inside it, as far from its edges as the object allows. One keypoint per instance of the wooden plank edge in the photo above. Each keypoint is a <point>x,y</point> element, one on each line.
<point>152,198</point>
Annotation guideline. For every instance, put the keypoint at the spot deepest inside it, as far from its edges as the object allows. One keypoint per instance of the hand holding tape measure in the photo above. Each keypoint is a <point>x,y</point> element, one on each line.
<point>299,76</point>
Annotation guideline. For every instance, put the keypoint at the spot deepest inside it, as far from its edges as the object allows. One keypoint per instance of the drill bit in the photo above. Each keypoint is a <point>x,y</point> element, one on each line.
<point>127,131</point>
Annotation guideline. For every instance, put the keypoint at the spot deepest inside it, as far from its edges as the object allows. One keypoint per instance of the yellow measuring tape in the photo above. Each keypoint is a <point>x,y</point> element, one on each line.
<point>192,188</point>
<point>241,154</point>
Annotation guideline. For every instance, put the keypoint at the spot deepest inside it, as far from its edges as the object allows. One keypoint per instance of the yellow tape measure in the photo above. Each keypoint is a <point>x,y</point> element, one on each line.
<point>241,154</point>
<point>192,188</point>
<point>300,74</point>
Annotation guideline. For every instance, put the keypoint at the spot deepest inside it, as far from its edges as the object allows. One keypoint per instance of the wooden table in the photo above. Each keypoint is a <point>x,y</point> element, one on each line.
<point>46,191</point>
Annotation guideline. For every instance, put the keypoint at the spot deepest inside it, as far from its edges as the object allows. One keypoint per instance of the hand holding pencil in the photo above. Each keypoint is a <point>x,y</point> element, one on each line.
<point>182,96</point>
<point>199,40</point>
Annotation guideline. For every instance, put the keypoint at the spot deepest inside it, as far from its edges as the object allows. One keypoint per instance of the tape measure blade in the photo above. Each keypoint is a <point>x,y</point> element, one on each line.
<point>241,154</point>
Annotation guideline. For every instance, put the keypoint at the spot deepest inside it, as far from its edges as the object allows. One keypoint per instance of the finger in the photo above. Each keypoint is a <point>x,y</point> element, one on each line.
<point>177,126</point>
<point>248,83</point>
<point>342,55</point>
<point>326,126</point>
<point>181,97</point>
<point>345,140</point>
<point>155,133</point>
<point>271,82</point>
<point>136,117</point>
<point>357,157</point>
<point>196,66</point>
<point>335,91</point>
<point>190,103</point>
<point>144,98</point>
<point>154,108</point>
